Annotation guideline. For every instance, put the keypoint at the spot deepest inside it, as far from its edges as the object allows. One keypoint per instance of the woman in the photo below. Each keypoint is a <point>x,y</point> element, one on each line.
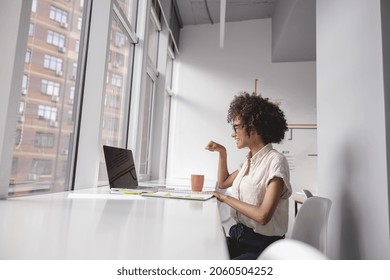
<point>261,186</point>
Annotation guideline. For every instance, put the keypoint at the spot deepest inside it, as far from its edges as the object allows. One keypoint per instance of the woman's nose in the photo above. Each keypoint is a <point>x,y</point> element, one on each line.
<point>233,134</point>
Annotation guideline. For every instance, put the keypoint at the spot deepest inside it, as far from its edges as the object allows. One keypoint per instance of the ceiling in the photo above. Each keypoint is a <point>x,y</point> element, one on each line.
<point>293,22</point>
<point>195,12</point>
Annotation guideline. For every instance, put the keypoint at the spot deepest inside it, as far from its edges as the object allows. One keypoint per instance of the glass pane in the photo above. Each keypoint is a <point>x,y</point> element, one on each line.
<point>116,100</point>
<point>153,41</point>
<point>129,8</point>
<point>146,125</point>
<point>42,159</point>
<point>169,71</point>
<point>175,26</point>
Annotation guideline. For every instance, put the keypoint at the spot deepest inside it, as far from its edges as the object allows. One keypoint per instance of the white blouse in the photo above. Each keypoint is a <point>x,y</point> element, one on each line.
<point>264,166</point>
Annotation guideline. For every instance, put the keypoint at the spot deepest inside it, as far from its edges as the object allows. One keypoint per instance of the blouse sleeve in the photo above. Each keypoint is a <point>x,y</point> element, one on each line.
<point>279,168</point>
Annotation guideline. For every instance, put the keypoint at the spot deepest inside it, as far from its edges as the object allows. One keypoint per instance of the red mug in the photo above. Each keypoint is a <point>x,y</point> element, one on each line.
<point>197,182</point>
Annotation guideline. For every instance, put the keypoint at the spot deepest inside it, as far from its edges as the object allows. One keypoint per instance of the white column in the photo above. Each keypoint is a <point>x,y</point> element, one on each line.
<point>87,168</point>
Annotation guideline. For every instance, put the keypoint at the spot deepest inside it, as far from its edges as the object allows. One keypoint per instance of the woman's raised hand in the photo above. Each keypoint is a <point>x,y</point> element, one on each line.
<point>215,147</point>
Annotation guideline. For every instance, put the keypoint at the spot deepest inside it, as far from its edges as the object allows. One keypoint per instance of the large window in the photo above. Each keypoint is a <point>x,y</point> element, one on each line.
<point>153,36</point>
<point>129,77</point>
<point>118,81</point>
<point>150,89</point>
<point>146,130</point>
<point>44,132</point>
<point>168,95</point>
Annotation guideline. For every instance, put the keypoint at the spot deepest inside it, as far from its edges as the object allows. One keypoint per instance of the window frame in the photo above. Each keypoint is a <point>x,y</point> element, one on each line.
<point>141,65</point>
<point>116,80</point>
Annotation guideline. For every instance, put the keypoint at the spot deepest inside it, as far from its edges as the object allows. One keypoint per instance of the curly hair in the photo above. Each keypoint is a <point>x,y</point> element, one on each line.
<point>259,113</point>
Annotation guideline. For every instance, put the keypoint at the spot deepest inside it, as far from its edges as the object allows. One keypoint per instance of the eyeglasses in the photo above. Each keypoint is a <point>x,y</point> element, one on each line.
<point>235,126</point>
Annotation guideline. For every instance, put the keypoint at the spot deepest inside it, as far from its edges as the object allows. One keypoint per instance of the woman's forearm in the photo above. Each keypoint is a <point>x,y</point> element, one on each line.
<point>262,213</point>
<point>223,172</point>
<point>225,179</point>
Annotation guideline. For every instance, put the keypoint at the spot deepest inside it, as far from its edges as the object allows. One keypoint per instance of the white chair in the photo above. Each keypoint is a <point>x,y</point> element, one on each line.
<point>290,249</point>
<point>311,222</point>
<point>307,193</point>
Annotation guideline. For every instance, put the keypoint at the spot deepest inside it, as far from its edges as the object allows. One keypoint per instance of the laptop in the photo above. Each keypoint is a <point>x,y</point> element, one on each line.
<point>121,172</point>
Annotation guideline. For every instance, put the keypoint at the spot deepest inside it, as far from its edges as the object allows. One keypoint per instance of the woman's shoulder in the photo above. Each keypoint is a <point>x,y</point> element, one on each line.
<point>275,153</point>
<point>276,156</point>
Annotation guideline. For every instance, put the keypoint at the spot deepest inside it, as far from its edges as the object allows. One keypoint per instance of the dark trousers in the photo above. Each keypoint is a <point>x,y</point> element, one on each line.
<point>245,244</point>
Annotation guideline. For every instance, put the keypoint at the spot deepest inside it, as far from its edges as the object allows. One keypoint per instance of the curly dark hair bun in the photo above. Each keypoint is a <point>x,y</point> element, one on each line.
<point>255,111</point>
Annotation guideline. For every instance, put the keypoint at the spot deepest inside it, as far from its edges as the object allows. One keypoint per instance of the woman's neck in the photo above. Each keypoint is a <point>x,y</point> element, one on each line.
<point>256,147</point>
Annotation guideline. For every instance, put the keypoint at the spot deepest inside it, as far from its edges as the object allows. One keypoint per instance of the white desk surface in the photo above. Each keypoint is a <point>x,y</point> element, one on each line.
<point>92,224</point>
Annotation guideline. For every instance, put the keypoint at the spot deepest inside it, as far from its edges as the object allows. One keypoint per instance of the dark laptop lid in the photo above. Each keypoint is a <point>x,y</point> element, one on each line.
<point>120,167</point>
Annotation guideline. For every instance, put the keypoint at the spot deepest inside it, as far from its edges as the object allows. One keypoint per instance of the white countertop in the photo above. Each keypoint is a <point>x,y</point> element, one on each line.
<point>92,224</point>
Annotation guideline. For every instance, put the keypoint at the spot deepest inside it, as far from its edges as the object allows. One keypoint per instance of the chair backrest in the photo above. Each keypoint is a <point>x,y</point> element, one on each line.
<point>307,193</point>
<point>311,222</point>
<point>290,249</point>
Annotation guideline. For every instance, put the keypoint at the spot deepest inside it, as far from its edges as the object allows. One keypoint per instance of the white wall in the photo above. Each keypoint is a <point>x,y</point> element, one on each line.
<point>208,78</point>
<point>352,155</point>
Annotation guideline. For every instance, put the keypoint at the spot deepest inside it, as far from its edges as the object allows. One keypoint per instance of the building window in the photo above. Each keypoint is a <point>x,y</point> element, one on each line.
<point>113,101</point>
<point>25,81</point>
<point>27,58</point>
<point>118,60</point>
<point>71,95</point>
<point>55,39</point>
<point>34,6</point>
<point>52,63</point>
<point>18,137</point>
<point>74,71</point>
<point>79,22</point>
<point>31,30</point>
<point>77,46</point>
<point>116,80</point>
<point>119,39</point>
<point>47,112</point>
<point>50,88</point>
<point>44,140</point>
<point>22,107</point>
<point>59,15</point>
<point>42,166</point>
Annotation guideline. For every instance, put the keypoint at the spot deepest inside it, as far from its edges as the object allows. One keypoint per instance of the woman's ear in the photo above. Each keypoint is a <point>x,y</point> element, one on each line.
<point>252,132</point>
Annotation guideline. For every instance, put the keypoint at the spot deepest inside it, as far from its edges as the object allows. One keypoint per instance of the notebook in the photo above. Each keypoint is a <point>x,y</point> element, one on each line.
<point>122,176</point>
<point>181,195</point>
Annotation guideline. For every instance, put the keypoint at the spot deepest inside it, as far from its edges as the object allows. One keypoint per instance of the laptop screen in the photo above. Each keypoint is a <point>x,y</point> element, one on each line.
<point>120,167</point>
